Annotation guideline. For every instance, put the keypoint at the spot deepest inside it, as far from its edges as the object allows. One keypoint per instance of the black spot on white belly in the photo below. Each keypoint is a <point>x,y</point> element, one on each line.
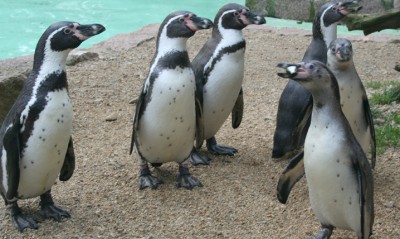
<point>338,160</point>
<point>338,175</point>
<point>342,189</point>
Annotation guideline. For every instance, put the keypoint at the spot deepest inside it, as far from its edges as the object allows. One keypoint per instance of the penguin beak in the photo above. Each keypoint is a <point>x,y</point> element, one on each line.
<point>84,32</point>
<point>343,54</point>
<point>291,70</point>
<point>345,8</point>
<point>250,18</point>
<point>197,23</point>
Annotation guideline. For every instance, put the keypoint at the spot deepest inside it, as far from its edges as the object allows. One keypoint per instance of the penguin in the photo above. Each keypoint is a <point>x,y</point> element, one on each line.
<point>219,71</point>
<point>353,97</point>
<point>339,176</point>
<point>164,123</point>
<point>36,144</point>
<point>295,103</point>
<point>355,106</point>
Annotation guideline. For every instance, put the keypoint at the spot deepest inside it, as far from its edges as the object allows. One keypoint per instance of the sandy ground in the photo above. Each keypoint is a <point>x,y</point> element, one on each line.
<point>238,199</point>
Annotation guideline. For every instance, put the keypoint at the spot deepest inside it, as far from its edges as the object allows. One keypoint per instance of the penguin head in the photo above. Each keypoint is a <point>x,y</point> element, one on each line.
<point>313,75</point>
<point>236,16</point>
<point>183,24</point>
<point>69,35</point>
<point>333,12</point>
<point>340,51</point>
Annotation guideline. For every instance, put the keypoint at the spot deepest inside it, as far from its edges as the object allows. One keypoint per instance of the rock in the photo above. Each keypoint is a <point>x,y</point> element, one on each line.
<point>304,10</point>
<point>9,91</point>
<point>397,67</point>
<point>80,56</point>
<point>389,204</point>
<point>111,117</point>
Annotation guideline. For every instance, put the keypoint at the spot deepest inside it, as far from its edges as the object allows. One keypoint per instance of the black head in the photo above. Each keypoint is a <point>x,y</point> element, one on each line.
<point>236,16</point>
<point>183,24</point>
<point>69,35</point>
<point>340,50</point>
<point>62,37</point>
<point>334,11</point>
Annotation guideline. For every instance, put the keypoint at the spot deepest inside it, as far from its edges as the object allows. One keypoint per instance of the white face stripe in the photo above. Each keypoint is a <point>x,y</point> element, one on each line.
<point>53,61</point>
<point>165,45</point>
<point>330,32</point>
<point>229,38</point>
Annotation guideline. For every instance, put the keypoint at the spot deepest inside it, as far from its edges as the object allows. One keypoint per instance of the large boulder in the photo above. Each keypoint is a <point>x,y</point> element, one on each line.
<point>305,10</point>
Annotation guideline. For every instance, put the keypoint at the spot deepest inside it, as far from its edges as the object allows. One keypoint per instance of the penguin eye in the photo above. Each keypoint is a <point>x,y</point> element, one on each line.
<point>67,31</point>
<point>311,66</point>
<point>181,19</point>
<point>333,49</point>
<point>236,13</point>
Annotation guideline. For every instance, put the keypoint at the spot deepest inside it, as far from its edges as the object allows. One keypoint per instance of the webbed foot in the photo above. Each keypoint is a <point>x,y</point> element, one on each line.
<point>324,233</point>
<point>146,179</point>
<point>185,179</point>
<point>19,220</point>
<point>214,148</point>
<point>49,210</point>
<point>197,158</point>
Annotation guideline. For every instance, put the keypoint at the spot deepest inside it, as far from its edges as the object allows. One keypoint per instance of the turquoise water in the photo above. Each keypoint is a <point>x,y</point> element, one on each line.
<point>23,21</point>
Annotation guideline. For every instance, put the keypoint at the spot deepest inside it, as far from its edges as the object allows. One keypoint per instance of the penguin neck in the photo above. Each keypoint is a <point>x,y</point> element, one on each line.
<point>48,61</point>
<point>325,33</point>
<point>228,37</point>
<point>167,44</point>
<point>327,101</point>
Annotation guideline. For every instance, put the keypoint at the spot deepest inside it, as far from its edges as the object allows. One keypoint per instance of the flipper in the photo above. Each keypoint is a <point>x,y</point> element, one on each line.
<point>293,172</point>
<point>237,111</point>
<point>370,123</point>
<point>69,163</point>
<point>11,146</point>
<point>138,113</point>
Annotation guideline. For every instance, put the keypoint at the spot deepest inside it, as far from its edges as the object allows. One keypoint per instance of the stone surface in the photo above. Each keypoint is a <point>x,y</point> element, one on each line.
<point>305,10</point>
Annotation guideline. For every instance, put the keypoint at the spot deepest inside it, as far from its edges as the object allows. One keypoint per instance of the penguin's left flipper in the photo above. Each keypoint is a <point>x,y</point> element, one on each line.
<point>69,163</point>
<point>11,144</point>
<point>293,172</point>
<point>237,111</point>
<point>370,123</point>
<point>365,182</point>
<point>199,124</point>
<point>138,112</point>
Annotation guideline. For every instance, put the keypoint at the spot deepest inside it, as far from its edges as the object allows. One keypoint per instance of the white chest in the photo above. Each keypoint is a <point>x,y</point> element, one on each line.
<point>221,90</point>
<point>45,150</point>
<point>167,126</point>
<point>351,100</point>
<point>332,183</point>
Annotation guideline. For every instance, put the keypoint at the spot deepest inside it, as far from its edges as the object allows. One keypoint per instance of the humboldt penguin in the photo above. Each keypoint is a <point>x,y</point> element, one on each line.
<point>353,97</point>
<point>219,71</point>
<point>295,103</point>
<point>35,137</point>
<point>339,176</point>
<point>164,124</point>
<point>355,107</point>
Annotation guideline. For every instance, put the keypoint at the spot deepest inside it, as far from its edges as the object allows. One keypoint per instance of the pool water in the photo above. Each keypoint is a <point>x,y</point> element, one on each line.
<point>23,21</point>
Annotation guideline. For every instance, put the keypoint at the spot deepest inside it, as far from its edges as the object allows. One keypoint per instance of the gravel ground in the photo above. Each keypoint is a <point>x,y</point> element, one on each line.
<point>238,199</point>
